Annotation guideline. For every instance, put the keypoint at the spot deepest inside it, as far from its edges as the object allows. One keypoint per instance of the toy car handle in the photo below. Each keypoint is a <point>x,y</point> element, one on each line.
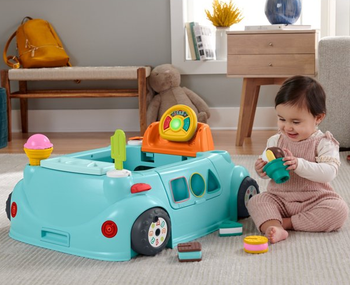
<point>178,123</point>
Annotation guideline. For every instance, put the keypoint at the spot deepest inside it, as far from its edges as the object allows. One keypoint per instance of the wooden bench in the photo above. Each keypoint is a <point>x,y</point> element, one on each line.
<point>22,76</point>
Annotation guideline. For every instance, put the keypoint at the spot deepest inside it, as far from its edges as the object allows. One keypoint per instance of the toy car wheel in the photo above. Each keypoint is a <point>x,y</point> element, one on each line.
<point>8,207</point>
<point>246,191</point>
<point>151,232</point>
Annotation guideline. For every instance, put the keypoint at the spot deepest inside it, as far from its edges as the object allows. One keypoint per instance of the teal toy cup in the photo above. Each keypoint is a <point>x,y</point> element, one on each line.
<point>277,171</point>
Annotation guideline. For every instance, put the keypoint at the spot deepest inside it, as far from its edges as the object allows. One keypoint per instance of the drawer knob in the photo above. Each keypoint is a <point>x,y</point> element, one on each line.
<point>270,64</point>
<point>270,44</point>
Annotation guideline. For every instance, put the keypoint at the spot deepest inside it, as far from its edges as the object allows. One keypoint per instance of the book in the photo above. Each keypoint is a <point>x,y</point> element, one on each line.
<point>204,38</point>
<point>190,41</point>
<point>192,25</point>
<point>277,27</point>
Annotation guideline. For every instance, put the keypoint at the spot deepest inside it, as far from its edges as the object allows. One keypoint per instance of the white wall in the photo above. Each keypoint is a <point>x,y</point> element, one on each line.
<point>342,18</point>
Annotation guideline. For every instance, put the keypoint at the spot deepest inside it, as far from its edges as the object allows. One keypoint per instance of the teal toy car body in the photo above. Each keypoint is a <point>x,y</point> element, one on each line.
<point>74,204</point>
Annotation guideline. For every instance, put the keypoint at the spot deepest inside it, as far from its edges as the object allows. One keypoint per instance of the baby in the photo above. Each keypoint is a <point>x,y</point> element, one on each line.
<point>306,202</point>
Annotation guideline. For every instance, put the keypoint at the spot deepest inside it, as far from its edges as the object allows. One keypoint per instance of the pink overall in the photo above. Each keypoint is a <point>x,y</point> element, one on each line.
<point>312,206</point>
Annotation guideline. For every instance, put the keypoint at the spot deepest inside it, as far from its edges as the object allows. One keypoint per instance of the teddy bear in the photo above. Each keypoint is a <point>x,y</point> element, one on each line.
<point>165,91</point>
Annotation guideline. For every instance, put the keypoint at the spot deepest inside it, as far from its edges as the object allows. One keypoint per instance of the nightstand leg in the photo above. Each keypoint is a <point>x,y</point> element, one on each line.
<point>249,99</point>
<point>255,96</point>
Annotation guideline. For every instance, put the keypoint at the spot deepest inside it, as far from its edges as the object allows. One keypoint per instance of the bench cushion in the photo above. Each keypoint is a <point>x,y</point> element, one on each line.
<point>77,73</point>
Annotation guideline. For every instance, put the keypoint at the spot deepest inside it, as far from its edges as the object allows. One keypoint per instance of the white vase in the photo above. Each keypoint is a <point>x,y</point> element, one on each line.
<point>221,43</point>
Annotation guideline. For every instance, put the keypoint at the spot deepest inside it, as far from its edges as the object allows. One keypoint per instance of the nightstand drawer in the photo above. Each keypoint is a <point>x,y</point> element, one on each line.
<point>267,65</point>
<point>271,43</point>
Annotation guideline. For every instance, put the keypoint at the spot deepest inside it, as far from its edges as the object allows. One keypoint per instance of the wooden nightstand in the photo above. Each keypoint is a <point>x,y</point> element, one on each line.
<point>267,58</point>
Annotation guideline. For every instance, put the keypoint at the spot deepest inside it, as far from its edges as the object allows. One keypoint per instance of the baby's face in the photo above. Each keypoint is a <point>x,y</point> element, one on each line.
<point>297,124</point>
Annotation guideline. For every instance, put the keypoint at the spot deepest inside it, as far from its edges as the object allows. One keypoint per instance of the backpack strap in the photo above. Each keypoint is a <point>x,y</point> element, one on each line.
<point>8,59</point>
<point>25,19</point>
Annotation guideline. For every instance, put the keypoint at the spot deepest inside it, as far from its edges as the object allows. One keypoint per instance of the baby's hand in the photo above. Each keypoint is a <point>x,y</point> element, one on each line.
<point>290,160</point>
<point>259,165</point>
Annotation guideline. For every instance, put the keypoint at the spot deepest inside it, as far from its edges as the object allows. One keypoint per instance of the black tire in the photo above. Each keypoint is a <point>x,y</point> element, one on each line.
<point>151,232</point>
<point>247,190</point>
<point>8,207</point>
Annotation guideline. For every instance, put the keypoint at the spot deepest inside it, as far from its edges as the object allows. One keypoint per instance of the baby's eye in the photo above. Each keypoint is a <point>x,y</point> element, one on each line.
<point>281,119</point>
<point>296,122</point>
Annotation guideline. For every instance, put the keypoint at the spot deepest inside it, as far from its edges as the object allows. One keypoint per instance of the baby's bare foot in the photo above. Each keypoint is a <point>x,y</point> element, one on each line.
<point>275,234</point>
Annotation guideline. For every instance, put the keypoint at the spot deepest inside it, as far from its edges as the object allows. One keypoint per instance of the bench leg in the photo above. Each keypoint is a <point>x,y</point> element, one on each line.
<point>142,90</point>
<point>5,83</point>
<point>24,106</point>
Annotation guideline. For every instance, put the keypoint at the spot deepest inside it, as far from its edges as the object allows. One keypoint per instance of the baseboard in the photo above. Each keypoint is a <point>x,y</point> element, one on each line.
<point>126,119</point>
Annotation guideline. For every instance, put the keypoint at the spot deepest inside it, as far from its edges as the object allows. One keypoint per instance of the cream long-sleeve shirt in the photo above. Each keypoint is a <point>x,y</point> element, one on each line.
<point>325,168</point>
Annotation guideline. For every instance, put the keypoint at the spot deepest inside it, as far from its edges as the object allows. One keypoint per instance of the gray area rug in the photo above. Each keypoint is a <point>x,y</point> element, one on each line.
<point>305,258</point>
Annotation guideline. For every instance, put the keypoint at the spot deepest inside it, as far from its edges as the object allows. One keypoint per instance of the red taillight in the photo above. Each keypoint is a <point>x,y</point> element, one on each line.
<point>109,229</point>
<point>140,187</point>
<point>13,209</point>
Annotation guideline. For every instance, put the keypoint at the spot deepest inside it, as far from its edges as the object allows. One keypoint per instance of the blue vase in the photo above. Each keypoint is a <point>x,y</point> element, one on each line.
<point>283,11</point>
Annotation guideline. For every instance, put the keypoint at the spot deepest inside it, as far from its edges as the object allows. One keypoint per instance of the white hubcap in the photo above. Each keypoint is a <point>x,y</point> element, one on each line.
<point>157,232</point>
<point>251,191</point>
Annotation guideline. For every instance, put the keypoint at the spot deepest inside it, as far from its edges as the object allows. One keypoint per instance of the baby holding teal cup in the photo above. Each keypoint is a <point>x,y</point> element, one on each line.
<point>299,195</point>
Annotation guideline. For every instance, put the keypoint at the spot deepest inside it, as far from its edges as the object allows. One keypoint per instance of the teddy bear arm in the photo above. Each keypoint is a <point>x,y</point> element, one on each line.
<point>153,109</point>
<point>202,117</point>
<point>150,93</point>
<point>200,104</point>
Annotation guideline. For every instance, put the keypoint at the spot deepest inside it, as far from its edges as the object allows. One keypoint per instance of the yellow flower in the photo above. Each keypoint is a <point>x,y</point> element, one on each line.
<point>224,15</point>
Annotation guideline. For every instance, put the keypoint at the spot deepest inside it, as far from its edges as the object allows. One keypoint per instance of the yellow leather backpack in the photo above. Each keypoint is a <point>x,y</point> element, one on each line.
<point>37,45</point>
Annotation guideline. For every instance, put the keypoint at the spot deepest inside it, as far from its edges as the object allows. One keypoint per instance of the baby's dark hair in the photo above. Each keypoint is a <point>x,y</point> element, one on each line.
<point>302,91</point>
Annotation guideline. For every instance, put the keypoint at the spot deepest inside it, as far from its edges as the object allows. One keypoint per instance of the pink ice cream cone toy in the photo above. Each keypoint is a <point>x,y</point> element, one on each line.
<point>38,147</point>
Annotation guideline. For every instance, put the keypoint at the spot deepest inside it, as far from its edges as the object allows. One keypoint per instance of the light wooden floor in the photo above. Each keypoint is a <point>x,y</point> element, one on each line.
<point>73,142</point>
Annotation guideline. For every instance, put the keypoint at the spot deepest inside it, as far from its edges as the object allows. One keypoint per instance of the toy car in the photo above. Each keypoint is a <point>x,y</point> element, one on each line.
<point>173,188</point>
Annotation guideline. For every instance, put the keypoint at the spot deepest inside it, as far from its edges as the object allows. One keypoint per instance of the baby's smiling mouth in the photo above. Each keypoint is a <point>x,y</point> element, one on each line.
<point>292,135</point>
